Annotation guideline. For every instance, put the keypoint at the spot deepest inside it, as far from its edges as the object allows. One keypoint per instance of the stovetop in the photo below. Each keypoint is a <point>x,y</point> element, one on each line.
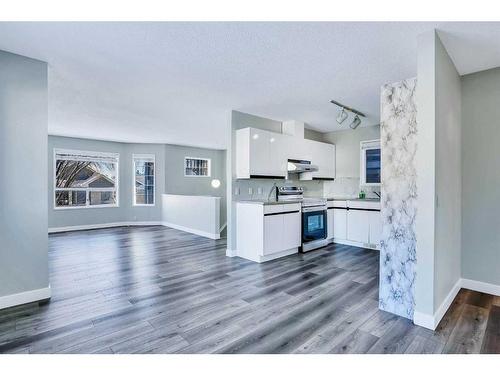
<point>310,202</point>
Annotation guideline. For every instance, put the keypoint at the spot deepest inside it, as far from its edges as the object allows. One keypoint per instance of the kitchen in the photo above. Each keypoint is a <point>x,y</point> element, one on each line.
<point>297,200</point>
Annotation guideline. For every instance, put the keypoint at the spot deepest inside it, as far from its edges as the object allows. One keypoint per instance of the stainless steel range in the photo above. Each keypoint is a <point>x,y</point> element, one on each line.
<point>314,225</point>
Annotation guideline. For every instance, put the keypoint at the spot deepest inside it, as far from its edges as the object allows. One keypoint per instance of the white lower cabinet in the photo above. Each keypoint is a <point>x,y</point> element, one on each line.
<point>292,230</point>
<point>375,227</point>
<point>330,223</point>
<point>281,232</point>
<point>265,232</point>
<point>273,234</point>
<point>340,223</point>
<point>355,223</point>
<point>358,226</point>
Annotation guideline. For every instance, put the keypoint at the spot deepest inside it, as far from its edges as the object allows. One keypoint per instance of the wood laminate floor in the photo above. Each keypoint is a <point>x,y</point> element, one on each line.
<point>159,290</point>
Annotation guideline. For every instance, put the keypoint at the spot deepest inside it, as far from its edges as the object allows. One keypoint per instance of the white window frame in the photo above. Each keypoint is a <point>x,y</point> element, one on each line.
<point>87,190</point>
<point>363,146</point>
<point>146,157</point>
<point>198,158</point>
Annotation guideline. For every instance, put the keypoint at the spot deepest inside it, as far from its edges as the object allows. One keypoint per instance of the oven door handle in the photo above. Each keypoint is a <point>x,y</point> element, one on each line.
<point>313,209</point>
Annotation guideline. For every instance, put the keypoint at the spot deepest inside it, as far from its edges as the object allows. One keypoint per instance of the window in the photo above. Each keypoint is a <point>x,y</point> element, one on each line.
<point>370,163</point>
<point>196,167</point>
<point>144,180</point>
<point>85,179</point>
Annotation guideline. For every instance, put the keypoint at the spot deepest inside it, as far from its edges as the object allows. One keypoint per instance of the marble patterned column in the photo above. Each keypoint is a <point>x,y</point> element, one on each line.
<point>398,132</point>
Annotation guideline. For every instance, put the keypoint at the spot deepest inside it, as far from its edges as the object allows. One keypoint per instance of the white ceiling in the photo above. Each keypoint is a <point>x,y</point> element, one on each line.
<point>177,82</point>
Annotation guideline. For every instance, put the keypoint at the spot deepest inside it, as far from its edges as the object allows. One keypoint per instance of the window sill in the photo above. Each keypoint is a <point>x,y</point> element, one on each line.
<point>84,207</point>
<point>143,205</point>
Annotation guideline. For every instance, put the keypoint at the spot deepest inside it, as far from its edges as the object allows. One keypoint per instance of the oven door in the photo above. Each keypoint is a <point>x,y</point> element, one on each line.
<point>313,224</point>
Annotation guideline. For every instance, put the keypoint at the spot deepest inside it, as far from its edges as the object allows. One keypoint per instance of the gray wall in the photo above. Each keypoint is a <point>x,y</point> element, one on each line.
<point>177,183</point>
<point>438,175</point>
<point>480,176</point>
<point>426,172</point>
<point>169,179</point>
<point>347,148</point>
<point>23,187</point>
<point>347,160</point>
<point>448,176</point>
<point>126,211</point>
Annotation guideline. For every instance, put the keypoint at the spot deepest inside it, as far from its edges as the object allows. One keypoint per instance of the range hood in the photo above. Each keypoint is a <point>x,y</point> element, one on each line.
<point>300,166</point>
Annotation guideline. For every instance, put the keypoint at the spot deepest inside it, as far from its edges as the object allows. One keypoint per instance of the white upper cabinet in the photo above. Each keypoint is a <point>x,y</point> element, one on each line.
<point>261,153</point>
<point>324,157</point>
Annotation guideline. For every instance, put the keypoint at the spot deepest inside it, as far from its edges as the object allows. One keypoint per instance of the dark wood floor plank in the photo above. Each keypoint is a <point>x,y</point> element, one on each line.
<point>159,290</point>
<point>468,334</point>
<point>357,342</point>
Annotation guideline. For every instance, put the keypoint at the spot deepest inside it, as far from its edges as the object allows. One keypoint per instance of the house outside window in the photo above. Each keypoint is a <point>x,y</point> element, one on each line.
<point>144,180</point>
<point>197,167</point>
<point>85,179</point>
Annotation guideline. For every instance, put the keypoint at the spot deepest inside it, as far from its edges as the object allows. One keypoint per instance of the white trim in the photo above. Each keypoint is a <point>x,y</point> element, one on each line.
<point>266,258</point>
<point>213,236</point>
<point>104,225</point>
<point>355,244</point>
<point>25,297</point>
<point>482,287</point>
<point>231,253</point>
<point>363,146</point>
<point>148,158</point>
<point>116,161</point>
<point>432,321</point>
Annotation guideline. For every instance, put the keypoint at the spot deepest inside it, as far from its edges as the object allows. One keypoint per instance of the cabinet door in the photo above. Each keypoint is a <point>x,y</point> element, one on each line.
<point>273,234</point>
<point>339,223</point>
<point>324,158</point>
<point>267,157</point>
<point>292,230</point>
<point>375,227</point>
<point>276,163</point>
<point>330,223</point>
<point>259,152</point>
<point>358,226</point>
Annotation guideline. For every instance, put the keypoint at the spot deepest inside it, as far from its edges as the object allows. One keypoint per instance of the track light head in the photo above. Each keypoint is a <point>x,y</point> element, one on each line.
<point>341,116</point>
<point>355,122</point>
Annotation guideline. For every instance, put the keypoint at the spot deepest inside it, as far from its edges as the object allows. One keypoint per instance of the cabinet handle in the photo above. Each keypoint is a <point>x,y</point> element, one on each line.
<point>281,213</point>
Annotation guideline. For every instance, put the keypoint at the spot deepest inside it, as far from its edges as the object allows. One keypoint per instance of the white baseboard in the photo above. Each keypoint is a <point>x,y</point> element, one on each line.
<point>266,258</point>
<point>104,225</point>
<point>213,236</point>
<point>356,244</point>
<point>24,297</point>
<point>231,253</point>
<point>482,287</point>
<point>432,321</point>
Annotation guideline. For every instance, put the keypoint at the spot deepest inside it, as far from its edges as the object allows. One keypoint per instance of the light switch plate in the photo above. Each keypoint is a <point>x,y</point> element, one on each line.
<point>237,191</point>
<point>259,190</point>
<point>250,191</point>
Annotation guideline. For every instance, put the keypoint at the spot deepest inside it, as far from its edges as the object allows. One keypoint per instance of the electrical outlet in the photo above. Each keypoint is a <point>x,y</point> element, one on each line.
<point>237,191</point>
<point>250,191</point>
<point>259,190</point>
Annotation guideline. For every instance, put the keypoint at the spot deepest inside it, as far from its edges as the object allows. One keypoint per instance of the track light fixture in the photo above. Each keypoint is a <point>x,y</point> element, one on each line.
<point>342,115</point>
<point>355,122</point>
